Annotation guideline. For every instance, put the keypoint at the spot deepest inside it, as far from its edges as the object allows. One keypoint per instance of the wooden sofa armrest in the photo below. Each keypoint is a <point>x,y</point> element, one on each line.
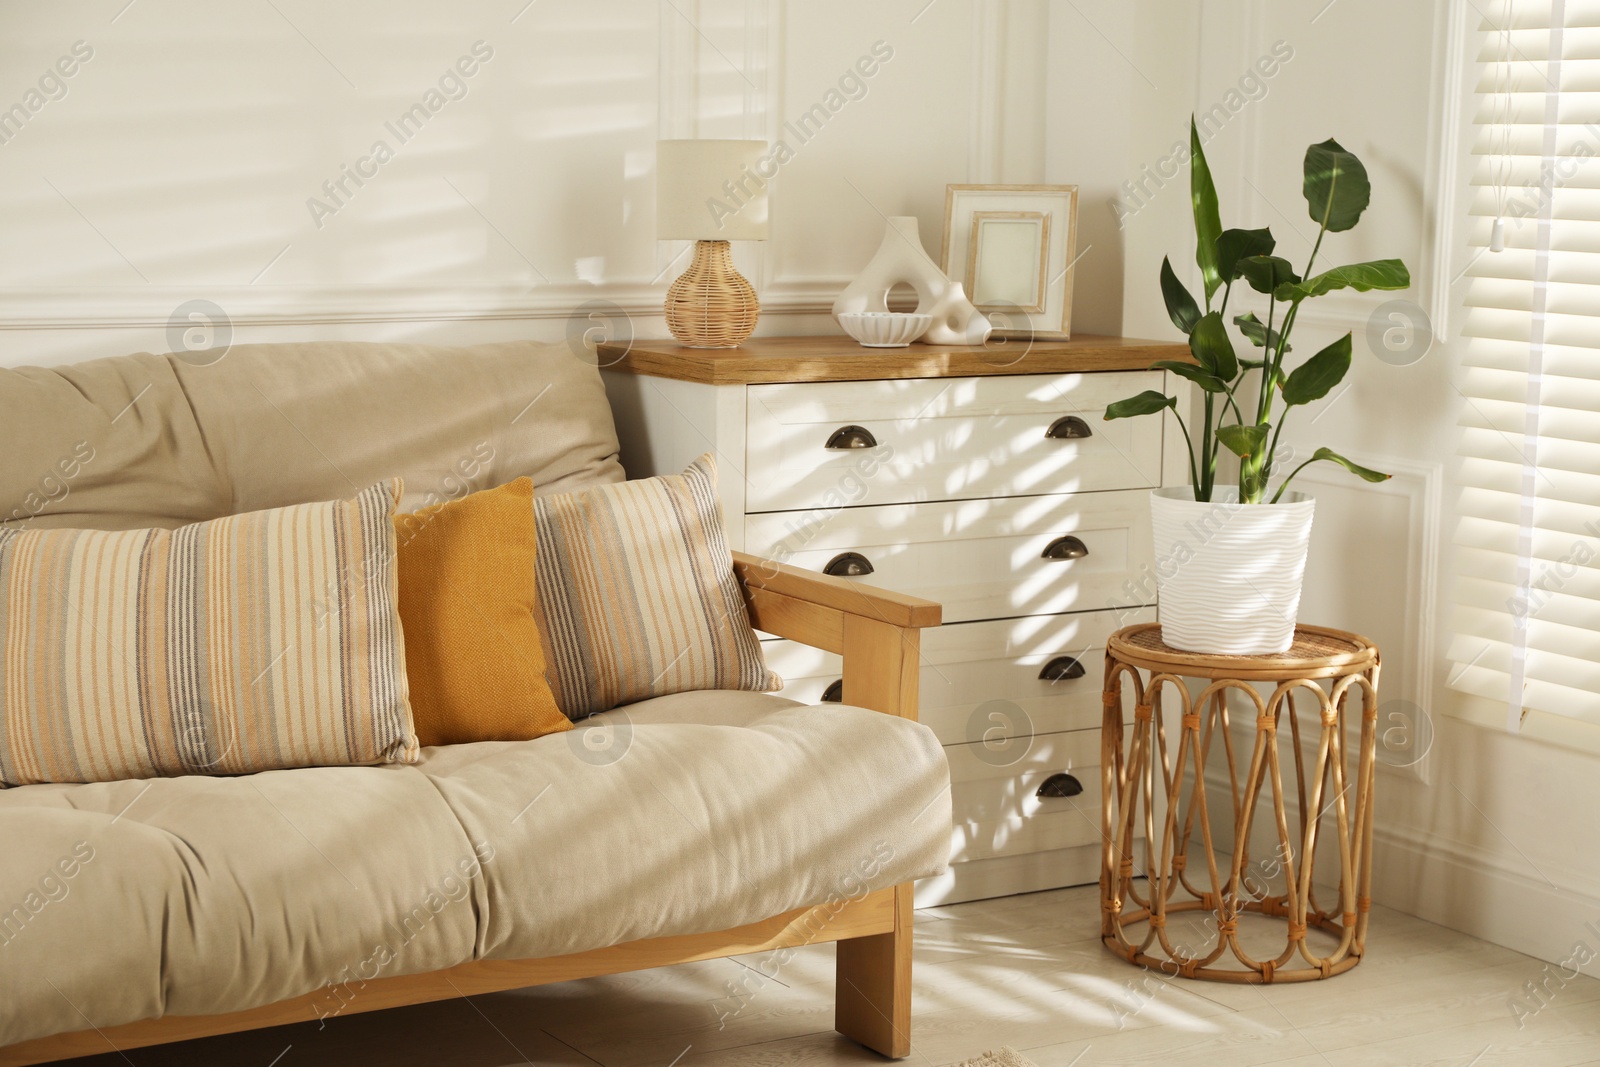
<point>875,630</point>
<point>879,634</point>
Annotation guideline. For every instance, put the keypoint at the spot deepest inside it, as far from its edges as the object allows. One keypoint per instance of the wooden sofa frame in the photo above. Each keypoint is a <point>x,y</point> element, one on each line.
<point>877,633</point>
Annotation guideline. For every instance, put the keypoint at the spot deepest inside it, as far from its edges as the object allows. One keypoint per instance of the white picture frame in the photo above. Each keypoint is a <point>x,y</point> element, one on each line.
<point>1012,248</point>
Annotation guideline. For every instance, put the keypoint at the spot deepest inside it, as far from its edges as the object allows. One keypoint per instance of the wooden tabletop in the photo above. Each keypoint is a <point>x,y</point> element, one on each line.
<point>840,359</point>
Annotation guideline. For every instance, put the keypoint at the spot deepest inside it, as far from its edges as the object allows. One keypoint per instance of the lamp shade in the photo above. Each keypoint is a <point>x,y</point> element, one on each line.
<point>710,191</point>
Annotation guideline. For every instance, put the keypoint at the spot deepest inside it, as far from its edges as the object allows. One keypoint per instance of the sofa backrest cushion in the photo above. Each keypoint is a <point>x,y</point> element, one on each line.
<point>247,643</point>
<point>164,440</point>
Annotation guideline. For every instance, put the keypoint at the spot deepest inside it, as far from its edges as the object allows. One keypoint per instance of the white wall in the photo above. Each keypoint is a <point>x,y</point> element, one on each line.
<point>1489,833</point>
<point>180,161</point>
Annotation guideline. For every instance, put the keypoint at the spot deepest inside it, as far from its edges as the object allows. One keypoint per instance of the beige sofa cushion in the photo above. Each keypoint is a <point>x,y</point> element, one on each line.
<point>207,895</point>
<point>160,441</point>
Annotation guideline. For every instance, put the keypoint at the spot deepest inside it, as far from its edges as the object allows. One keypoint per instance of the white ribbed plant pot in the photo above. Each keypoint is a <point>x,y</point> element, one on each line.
<point>1229,574</point>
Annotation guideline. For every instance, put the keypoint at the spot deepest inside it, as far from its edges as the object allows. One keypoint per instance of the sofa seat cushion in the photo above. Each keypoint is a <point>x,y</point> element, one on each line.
<point>207,895</point>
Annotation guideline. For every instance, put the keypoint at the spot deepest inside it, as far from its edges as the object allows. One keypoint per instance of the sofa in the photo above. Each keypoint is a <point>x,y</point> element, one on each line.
<point>707,824</point>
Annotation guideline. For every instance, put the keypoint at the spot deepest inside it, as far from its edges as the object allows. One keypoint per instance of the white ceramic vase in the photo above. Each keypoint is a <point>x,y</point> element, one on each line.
<point>901,258</point>
<point>1229,574</point>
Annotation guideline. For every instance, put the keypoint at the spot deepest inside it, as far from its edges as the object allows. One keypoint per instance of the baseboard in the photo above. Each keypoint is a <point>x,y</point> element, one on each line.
<point>1470,891</point>
<point>1454,885</point>
<point>1467,889</point>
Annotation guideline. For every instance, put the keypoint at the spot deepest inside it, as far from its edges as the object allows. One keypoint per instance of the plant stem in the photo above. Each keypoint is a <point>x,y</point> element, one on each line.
<point>1272,449</point>
<point>1228,392</point>
<point>1208,471</point>
<point>1294,309</point>
<point>1277,362</point>
<point>1194,480</point>
<point>1266,357</point>
<point>1333,185</point>
<point>1289,479</point>
<point>1318,244</point>
<point>1283,343</point>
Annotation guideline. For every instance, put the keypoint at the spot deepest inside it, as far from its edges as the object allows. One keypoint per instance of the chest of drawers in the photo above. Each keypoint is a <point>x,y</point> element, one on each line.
<point>984,479</point>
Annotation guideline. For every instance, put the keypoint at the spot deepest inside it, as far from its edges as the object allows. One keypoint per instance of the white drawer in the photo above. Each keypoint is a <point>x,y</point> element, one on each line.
<point>1067,825</point>
<point>985,559</point>
<point>988,800</point>
<point>995,817</point>
<point>944,439</point>
<point>970,665</point>
<point>1005,875</point>
<point>1074,751</point>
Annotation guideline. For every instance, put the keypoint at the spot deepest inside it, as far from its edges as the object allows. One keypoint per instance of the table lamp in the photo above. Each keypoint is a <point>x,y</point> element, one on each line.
<point>711,192</point>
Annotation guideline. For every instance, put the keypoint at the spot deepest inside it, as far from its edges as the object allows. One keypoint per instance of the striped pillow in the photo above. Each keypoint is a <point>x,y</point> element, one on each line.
<point>639,599</point>
<point>241,644</point>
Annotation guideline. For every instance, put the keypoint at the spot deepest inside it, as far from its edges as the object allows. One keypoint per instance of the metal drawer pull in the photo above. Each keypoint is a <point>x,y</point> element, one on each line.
<point>834,694</point>
<point>846,437</point>
<point>848,565</point>
<point>1060,669</point>
<point>1067,547</point>
<point>1060,785</point>
<point>1068,428</point>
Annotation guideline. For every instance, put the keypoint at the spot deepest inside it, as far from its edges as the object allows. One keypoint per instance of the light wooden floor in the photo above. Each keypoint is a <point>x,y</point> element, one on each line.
<point>1023,971</point>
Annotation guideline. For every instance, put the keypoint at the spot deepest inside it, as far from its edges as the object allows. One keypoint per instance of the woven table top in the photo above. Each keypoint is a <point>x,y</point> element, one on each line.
<point>1317,652</point>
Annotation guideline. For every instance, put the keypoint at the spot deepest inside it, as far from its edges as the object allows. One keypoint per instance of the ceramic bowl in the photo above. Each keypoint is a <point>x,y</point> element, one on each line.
<point>885,329</point>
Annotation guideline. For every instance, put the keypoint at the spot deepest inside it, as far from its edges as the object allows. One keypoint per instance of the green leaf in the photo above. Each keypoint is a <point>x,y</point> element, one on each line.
<point>1213,348</point>
<point>1332,457</point>
<point>1207,218</point>
<point>1266,273</point>
<point>1378,274</point>
<point>1146,403</point>
<point>1336,186</point>
<point>1242,440</point>
<point>1364,473</point>
<point>1235,245</point>
<point>1198,375</point>
<point>1314,378</point>
<point>1180,305</point>
<point>1259,335</point>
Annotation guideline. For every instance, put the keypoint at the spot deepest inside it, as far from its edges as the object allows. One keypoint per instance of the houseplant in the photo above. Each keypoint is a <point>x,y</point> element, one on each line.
<point>1230,559</point>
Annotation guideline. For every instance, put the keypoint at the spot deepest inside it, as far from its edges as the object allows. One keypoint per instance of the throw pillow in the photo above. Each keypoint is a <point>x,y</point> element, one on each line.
<point>242,644</point>
<point>467,601</point>
<point>638,595</point>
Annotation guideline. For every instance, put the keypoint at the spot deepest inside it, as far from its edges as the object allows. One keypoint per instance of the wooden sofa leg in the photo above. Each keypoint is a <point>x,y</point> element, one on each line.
<point>872,1002</point>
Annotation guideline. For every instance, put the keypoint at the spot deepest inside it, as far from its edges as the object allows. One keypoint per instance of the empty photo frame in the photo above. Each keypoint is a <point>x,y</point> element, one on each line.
<point>1012,248</point>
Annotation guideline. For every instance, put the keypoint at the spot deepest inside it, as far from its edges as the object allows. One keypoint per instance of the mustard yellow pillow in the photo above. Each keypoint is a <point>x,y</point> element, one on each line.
<point>467,600</point>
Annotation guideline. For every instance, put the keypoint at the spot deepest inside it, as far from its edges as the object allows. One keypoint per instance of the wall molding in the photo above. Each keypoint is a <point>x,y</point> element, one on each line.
<point>986,130</point>
<point>1445,121</point>
<point>152,306</point>
<point>1420,483</point>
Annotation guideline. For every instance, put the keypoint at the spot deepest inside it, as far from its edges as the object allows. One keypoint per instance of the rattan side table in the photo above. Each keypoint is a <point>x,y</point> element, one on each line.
<point>1142,787</point>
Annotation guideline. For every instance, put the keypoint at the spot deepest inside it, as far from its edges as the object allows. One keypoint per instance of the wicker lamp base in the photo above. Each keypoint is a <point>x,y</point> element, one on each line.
<point>711,305</point>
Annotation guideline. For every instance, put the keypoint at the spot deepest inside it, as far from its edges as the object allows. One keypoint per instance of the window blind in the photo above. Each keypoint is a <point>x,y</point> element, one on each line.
<point>1528,543</point>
